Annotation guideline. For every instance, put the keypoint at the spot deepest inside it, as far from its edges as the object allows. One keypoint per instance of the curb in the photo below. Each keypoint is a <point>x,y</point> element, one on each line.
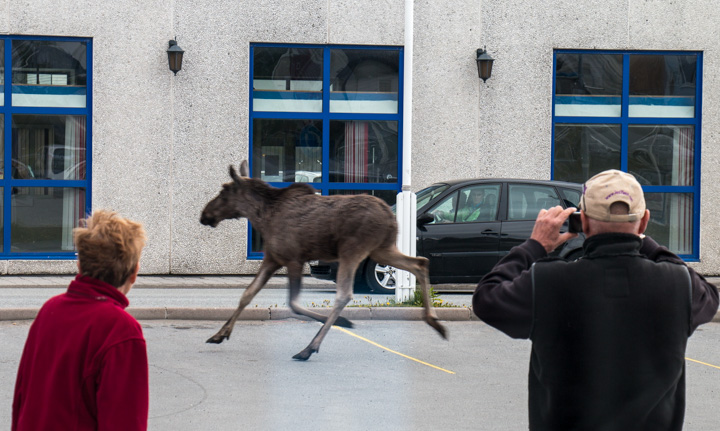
<point>272,313</point>
<point>279,313</point>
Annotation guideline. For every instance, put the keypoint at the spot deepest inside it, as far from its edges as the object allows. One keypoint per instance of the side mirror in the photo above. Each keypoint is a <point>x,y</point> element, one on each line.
<point>424,219</point>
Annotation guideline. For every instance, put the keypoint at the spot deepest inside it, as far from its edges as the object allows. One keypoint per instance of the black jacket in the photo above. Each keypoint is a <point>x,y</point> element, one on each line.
<point>609,331</point>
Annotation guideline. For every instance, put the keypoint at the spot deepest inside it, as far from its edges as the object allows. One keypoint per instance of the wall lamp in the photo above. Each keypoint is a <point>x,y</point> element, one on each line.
<point>484,64</point>
<point>175,56</point>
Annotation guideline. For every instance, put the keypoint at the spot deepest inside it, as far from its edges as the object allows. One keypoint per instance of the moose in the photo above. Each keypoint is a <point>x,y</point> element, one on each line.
<point>297,226</point>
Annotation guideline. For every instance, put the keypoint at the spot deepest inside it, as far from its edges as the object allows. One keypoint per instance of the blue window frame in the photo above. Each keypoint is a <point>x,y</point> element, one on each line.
<point>639,112</point>
<point>328,115</point>
<point>45,162</point>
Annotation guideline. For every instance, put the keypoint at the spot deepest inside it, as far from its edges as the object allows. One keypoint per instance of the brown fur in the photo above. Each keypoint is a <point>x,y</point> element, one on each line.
<point>298,225</point>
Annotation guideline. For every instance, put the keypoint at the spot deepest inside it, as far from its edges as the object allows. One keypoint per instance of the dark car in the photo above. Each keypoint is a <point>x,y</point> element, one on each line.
<point>464,227</point>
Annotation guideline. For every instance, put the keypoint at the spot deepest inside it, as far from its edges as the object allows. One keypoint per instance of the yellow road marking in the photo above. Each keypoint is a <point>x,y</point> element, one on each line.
<point>704,363</point>
<point>392,351</point>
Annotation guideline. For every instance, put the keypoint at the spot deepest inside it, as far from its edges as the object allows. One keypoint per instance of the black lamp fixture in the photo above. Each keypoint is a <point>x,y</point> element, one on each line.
<point>175,56</point>
<point>484,64</point>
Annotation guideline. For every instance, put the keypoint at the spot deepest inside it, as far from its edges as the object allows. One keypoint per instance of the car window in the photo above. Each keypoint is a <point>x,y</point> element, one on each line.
<point>526,200</point>
<point>445,210</point>
<point>427,194</point>
<point>478,203</point>
<point>572,197</point>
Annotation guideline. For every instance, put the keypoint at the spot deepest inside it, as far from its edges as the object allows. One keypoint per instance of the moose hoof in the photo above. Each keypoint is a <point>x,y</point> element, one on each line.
<point>343,322</point>
<point>432,321</point>
<point>217,339</point>
<point>305,354</point>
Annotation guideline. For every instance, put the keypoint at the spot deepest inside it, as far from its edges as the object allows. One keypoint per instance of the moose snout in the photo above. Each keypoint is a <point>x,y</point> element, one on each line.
<point>208,221</point>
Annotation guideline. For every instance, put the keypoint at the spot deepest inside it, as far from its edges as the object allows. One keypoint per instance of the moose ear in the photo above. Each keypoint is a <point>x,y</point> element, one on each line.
<point>234,174</point>
<point>244,169</point>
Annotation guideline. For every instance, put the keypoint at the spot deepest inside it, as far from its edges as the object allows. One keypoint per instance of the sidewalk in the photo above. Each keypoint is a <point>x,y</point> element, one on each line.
<point>216,298</point>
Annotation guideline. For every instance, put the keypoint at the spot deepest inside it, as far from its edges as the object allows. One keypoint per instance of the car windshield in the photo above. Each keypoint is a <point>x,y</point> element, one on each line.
<point>427,194</point>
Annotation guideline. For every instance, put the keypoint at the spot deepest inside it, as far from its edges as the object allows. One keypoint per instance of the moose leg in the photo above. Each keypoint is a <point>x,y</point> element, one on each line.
<point>295,282</point>
<point>345,276</point>
<point>419,267</point>
<point>267,269</point>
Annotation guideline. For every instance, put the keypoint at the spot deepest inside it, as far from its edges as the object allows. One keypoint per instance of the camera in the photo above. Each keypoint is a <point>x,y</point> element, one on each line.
<point>574,223</point>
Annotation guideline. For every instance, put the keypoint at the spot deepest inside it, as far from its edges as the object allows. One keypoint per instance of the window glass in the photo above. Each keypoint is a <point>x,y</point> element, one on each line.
<point>478,203</point>
<point>2,147</point>
<point>427,194</point>
<point>526,200</point>
<point>49,73</point>
<point>364,81</point>
<point>654,136</point>
<point>671,220</point>
<point>287,79</point>
<point>2,221</point>
<point>583,150</point>
<point>445,210</point>
<point>43,218</point>
<point>572,197</point>
<point>2,72</point>
<point>48,147</point>
<point>389,196</point>
<point>662,85</point>
<point>661,155</point>
<point>327,116</point>
<point>287,150</point>
<point>588,85</point>
<point>364,151</point>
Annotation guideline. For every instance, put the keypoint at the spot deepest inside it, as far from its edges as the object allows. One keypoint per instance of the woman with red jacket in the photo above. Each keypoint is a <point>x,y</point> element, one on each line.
<point>84,366</point>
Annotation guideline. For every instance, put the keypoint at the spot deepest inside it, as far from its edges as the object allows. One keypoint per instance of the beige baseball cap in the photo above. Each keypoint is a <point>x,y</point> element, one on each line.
<point>608,187</point>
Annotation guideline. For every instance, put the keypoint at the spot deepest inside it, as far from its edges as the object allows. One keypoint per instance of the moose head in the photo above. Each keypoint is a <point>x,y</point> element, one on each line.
<point>231,202</point>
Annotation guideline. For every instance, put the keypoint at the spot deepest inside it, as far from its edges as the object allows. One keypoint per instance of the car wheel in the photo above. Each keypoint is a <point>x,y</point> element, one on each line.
<point>380,278</point>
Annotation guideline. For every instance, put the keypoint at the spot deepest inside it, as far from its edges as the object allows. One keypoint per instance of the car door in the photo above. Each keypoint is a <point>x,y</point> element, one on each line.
<point>463,239</point>
<point>525,200</point>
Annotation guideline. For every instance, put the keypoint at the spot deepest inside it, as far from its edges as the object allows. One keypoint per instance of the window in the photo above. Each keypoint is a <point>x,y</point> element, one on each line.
<point>477,203</point>
<point>330,116</point>
<point>45,162</point>
<point>527,200</point>
<point>638,112</point>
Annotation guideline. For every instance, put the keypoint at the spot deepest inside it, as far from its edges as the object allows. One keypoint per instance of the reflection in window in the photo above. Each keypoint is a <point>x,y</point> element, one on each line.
<point>43,218</point>
<point>49,73</point>
<point>287,79</point>
<point>389,196</point>
<point>364,81</point>
<point>571,197</point>
<point>364,151</point>
<point>654,87</point>
<point>527,200</point>
<point>427,194</point>
<point>583,150</point>
<point>662,85</point>
<point>287,150</point>
<point>588,85</point>
<point>327,116</point>
<point>671,220</point>
<point>662,155</point>
<point>48,147</point>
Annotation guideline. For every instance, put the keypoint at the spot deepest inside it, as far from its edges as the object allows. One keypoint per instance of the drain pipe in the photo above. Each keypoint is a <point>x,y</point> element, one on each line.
<point>406,200</point>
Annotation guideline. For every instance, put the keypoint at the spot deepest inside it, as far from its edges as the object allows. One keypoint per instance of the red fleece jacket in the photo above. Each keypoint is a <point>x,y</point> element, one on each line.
<point>84,366</point>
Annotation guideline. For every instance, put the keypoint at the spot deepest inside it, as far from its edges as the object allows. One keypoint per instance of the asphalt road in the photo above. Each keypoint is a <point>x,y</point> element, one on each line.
<point>477,380</point>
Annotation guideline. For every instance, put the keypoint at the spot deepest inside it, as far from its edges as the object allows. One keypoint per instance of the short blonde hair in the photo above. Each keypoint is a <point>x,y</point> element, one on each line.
<point>109,246</point>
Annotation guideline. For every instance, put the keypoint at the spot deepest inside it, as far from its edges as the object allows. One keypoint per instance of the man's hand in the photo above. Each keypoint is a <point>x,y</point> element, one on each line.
<point>547,227</point>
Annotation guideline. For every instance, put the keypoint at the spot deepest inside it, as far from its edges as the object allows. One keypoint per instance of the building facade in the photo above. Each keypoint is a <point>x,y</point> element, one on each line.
<point>313,91</point>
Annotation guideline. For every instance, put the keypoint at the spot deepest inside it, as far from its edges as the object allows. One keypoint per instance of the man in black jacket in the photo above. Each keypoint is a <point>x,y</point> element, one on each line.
<point>608,330</point>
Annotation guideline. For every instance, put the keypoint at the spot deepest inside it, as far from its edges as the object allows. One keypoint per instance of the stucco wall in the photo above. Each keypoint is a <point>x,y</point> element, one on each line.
<point>162,143</point>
